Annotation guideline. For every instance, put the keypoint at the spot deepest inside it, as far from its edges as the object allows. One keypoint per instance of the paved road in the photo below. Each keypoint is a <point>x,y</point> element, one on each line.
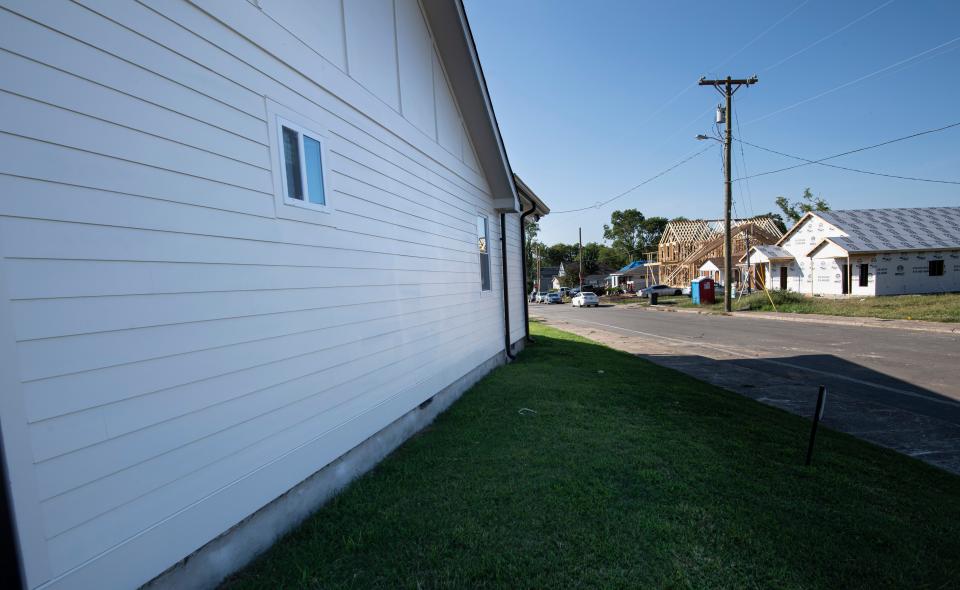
<point>897,388</point>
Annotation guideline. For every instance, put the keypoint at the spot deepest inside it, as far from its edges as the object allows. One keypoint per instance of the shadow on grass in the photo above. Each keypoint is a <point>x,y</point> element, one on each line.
<point>622,473</point>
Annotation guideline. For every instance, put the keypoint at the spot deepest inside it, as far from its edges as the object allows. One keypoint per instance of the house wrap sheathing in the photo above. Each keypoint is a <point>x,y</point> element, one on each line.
<point>867,252</point>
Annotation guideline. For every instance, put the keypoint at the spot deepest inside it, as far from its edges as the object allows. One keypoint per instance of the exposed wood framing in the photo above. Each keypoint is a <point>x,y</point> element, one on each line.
<point>686,245</point>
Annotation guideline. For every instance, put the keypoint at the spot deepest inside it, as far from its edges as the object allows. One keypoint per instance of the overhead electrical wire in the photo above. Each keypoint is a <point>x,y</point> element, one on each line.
<point>829,36</point>
<point>745,178</point>
<point>852,82</point>
<point>846,153</point>
<point>759,36</point>
<point>600,204</point>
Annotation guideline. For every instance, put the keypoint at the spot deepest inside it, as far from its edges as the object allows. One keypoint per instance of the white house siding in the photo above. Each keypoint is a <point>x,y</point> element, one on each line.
<point>515,278</point>
<point>184,354</point>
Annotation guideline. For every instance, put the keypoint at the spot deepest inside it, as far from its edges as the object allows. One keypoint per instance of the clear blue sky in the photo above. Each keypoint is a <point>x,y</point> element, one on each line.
<point>582,90</point>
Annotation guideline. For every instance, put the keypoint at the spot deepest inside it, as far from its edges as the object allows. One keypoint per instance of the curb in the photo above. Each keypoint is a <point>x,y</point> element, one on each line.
<point>865,322</point>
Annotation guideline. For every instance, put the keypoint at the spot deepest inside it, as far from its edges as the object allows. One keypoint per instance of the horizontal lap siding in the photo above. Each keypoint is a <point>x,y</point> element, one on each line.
<point>515,275</point>
<point>182,351</point>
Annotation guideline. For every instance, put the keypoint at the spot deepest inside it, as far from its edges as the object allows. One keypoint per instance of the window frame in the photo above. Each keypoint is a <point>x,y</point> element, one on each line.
<point>302,131</point>
<point>941,268</point>
<point>278,117</point>
<point>480,254</point>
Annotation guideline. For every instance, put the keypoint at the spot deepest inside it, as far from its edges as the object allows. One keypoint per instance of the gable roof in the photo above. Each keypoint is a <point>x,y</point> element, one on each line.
<point>630,267</point>
<point>717,262</point>
<point>895,230</point>
<point>698,230</point>
<point>458,52</point>
<point>770,251</point>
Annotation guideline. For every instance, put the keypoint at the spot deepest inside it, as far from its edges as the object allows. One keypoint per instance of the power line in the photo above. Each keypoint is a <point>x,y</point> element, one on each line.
<point>764,32</point>
<point>676,96</point>
<point>600,204</point>
<point>745,179</point>
<point>870,172</point>
<point>847,153</point>
<point>852,82</point>
<point>831,35</point>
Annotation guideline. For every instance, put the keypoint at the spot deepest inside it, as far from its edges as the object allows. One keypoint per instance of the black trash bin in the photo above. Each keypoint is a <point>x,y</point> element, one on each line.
<point>653,298</point>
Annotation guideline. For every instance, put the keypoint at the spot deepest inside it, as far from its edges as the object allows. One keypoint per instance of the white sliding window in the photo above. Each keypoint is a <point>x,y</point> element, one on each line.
<point>302,170</point>
<point>483,245</point>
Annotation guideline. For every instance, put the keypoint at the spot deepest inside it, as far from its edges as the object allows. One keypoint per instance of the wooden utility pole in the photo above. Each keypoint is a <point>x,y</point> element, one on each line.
<point>727,87</point>
<point>580,237</point>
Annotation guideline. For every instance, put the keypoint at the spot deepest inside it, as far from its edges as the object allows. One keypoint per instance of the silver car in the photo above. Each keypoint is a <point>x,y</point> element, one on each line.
<point>660,290</point>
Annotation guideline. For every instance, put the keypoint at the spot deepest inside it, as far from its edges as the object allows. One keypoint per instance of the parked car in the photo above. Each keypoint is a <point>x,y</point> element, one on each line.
<point>541,297</point>
<point>564,291</point>
<point>586,299</point>
<point>686,291</point>
<point>574,292</point>
<point>553,297</point>
<point>661,290</point>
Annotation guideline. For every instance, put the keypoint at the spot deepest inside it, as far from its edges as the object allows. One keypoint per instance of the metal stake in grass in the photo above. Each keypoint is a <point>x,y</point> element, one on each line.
<point>818,413</point>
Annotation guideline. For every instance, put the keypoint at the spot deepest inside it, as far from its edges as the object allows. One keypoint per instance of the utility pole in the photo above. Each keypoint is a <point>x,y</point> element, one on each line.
<point>727,87</point>
<point>538,269</point>
<point>580,237</point>
<point>749,273</point>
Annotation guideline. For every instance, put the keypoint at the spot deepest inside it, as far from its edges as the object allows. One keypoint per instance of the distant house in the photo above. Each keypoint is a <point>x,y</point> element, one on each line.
<point>631,277</point>
<point>865,252</point>
<point>248,248</point>
<point>549,279</point>
<point>712,268</point>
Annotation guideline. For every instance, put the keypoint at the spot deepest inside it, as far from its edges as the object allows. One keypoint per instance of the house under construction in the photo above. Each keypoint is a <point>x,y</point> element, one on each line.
<point>686,245</point>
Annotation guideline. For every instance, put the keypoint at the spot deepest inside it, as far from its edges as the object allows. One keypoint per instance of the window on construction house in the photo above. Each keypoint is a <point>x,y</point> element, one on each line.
<point>483,245</point>
<point>936,268</point>
<point>864,274</point>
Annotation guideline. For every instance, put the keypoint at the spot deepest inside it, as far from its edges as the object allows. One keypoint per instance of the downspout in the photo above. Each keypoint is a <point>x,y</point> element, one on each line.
<point>523,266</point>
<point>506,288</point>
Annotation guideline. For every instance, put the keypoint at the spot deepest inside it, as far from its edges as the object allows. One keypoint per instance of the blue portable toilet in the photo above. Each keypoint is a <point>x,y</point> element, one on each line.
<point>702,290</point>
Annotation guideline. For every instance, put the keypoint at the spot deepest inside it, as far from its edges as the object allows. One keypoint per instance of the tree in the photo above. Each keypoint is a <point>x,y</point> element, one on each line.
<point>777,219</point>
<point>654,227</point>
<point>794,211</point>
<point>558,254</point>
<point>530,232</point>
<point>632,234</point>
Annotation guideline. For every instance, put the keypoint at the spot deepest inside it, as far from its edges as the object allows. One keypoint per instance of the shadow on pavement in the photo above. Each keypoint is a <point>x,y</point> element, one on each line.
<point>860,401</point>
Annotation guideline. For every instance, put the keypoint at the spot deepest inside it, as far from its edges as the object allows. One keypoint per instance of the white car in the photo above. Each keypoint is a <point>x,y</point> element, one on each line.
<point>660,290</point>
<point>541,297</point>
<point>586,299</point>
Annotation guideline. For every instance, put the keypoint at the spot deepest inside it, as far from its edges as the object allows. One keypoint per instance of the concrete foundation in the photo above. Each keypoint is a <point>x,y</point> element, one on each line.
<point>231,551</point>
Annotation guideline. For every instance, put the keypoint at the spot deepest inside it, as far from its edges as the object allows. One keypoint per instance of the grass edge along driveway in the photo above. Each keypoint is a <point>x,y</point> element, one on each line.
<point>627,475</point>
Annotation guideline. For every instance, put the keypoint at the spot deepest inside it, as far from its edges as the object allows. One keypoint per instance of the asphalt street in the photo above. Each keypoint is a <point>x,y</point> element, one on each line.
<point>894,387</point>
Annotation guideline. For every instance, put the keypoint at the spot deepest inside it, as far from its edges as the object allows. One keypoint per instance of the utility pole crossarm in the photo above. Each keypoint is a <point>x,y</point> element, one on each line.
<point>741,81</point>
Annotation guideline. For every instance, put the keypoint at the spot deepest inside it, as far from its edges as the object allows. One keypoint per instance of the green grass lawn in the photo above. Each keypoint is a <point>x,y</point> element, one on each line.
<point>628,475</point>
<point>934,308</point>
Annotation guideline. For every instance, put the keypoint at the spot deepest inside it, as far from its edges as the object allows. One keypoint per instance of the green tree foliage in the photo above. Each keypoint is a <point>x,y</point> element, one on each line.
<point>558,254</point>
<point>632,234</point>
<point>807,202</point>
<point>777,219</point>
<point>531,231</point>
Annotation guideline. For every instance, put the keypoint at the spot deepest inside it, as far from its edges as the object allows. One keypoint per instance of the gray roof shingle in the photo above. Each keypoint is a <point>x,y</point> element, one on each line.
<point>919,228</point>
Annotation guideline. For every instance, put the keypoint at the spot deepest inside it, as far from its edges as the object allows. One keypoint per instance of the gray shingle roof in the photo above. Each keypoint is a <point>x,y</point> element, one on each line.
<point>921,228</point>
<point>772,252</point>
